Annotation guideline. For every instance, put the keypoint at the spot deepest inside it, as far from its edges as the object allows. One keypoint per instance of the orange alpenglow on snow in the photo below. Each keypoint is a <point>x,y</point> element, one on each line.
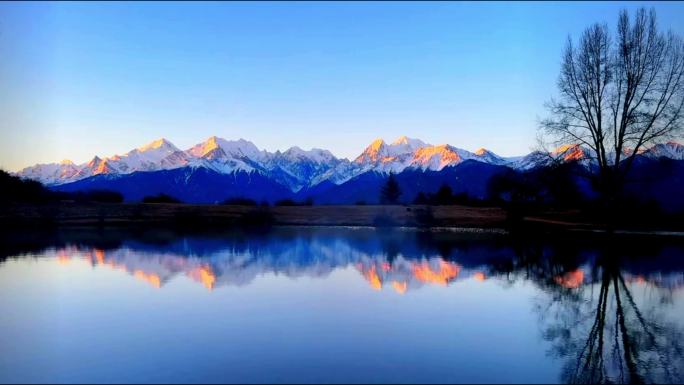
<point>153,145</point>
<point>571,279</point>
<point>372,152</point>
<point>425,154</point>
<point>479,276</point>
<point>208,146</point>
<point>570,152</point>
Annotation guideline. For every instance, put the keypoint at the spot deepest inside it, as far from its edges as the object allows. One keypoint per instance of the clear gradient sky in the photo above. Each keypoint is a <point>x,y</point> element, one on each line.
<point>79,79</point>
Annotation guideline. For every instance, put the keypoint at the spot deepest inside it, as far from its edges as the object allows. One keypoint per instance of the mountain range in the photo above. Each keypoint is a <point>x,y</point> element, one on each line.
<point>218,169</point>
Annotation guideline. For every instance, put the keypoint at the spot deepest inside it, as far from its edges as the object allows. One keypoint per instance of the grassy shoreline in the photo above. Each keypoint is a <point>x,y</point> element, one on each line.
<point>145,213</point>
<point>415,216</point>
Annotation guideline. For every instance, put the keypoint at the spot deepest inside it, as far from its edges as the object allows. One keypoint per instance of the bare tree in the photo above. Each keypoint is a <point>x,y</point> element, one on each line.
<point>619,94</point>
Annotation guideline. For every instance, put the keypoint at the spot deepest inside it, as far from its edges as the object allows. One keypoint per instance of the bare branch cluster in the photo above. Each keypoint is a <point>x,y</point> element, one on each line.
<point>619,94</point>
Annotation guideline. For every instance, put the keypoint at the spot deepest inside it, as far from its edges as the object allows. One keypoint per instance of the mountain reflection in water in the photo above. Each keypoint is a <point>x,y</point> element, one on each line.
<point>608,310</point>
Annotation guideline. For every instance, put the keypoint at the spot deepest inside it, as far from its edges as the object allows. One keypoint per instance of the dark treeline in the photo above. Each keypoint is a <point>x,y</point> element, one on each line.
<point>291,202</point>
<point>566,185</point>
<point>16,190</point>
<point>560,186</point>
<point>445,196</point>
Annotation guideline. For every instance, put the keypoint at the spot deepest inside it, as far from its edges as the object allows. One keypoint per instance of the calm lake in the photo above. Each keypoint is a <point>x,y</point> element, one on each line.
<point>339,305</point>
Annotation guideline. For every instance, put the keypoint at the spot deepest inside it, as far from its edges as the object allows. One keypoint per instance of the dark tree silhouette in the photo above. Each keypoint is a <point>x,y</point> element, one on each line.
<point>14,189</point>
<point>619,94</point>
<point>421,199</point>
<point>161,198</point>
<point>390,192</point>
<point>444,195</point>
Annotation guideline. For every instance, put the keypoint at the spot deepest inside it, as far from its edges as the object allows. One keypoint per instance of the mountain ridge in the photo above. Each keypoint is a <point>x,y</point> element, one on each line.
<point>298,169</point>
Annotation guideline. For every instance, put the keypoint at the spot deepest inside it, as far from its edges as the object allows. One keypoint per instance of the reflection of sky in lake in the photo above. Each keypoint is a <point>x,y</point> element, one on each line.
<point>328,305</point>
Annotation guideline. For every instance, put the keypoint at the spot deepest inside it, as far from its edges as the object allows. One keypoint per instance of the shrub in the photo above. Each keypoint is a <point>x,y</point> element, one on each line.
<point>99,196</point>
<point>161,198</point>
<point>239,202</point>
<point>290,202</point>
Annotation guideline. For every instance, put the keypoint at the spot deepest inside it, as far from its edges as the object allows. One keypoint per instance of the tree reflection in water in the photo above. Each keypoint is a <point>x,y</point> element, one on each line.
<point>594,321</point>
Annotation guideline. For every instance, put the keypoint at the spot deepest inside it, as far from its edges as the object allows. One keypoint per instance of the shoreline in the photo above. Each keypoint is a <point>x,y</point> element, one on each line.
<point>454,218</point>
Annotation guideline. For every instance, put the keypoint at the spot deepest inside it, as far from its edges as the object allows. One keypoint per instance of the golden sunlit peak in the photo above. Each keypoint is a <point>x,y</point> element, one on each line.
<point>66,162</point>
<point>425,154</point>
<point>211,143</point>
<point>565,148</point>
<point>161,142</point>
<point>401,140</point>
<point>94,162</point>
<point>481,151</point>
<point>377,143</point>
<point>570,152</point>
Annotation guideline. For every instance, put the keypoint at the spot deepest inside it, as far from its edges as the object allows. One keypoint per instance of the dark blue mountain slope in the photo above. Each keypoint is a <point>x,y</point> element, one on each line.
<point>190,185</point>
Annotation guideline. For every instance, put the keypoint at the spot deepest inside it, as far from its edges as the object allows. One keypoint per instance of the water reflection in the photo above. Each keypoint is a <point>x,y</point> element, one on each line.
<point>609,310</point>
<point>236,264</point>
<point>608,319</point>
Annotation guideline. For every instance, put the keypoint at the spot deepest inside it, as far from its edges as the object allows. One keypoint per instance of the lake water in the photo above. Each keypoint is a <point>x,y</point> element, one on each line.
<point>338,305</point>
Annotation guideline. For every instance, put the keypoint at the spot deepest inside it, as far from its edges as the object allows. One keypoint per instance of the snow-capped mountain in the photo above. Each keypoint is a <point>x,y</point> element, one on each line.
<point>672,150</point>
<point>53,173</point>
<point>486,156</point>
<point>296,168</point>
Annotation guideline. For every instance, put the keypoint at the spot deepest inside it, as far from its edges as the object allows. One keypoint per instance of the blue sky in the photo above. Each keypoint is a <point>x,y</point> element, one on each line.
<point>79,79</point>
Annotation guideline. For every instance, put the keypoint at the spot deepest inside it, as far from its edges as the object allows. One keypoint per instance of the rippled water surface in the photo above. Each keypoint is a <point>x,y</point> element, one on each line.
<point>338,305</point>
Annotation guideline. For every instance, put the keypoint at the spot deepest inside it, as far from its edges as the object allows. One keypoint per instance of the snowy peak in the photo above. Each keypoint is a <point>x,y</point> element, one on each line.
<point>53,173</point>
<point>315,155</point>
<point>202,149</point>
<point>379,152</point>
<point>408,142</point>
<point>373,153</point>
<point>94,162</point>
<point>236,148</point>
<point>147,156</point>
<point>158,145</point>
<point>481,151</point>
<point>672,150</point>
<point>570,152</point>
<point>484,155</point>
<point>436,157</point>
